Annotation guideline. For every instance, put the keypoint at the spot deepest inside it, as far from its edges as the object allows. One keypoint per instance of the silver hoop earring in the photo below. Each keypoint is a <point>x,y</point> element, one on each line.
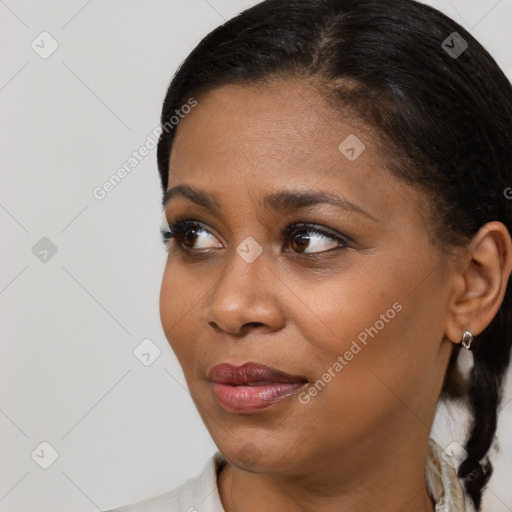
<point>467,338</point>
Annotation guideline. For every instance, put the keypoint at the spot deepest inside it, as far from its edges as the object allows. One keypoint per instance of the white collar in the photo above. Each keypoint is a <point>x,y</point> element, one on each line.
<point>443,484</point>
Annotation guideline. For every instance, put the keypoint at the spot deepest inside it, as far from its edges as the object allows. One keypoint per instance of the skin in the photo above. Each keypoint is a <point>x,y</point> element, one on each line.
<point>360,443</point>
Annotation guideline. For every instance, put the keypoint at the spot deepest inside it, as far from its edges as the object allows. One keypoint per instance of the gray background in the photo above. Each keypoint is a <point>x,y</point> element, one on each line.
<point>71,320</point>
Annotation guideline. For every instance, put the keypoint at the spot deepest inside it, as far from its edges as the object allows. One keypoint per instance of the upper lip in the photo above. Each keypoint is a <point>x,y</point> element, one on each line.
<point>227,373</point>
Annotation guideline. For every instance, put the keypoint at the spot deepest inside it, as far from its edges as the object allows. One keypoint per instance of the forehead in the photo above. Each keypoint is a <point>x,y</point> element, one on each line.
<point>244,139</point>
<point>281,115</point>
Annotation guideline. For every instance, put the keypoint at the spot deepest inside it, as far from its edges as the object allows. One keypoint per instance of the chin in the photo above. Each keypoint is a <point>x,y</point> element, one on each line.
<point>259,454</point>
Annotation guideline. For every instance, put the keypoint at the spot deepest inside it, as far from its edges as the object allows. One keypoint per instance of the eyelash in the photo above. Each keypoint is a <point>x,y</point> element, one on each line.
<point>178,230</point>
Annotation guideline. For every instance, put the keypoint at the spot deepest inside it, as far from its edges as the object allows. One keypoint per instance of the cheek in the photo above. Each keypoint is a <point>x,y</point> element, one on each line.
<point>169,300</point>
<point>352,304</point>
<point>178,312</point>
<point>384,324</point>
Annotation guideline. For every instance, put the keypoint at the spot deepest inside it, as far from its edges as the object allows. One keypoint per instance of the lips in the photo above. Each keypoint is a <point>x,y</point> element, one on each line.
<point>251,387</point>
<point>250,374</point>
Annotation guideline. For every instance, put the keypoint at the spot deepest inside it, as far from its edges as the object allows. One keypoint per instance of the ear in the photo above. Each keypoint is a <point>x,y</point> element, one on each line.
<point>480,281</point>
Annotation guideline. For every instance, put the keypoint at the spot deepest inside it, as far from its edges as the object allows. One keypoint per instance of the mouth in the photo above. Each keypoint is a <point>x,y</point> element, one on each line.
<point>251,387</point>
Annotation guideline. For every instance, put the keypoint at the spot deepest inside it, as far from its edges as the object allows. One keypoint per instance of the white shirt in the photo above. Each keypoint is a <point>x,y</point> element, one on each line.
<point>201,494</point>
<point>197,494</point>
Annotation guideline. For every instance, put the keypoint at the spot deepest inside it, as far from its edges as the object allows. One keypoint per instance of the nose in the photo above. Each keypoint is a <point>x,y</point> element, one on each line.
<point>245,296</point>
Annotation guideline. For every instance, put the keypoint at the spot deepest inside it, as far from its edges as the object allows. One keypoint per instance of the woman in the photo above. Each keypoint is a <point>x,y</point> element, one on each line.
<point>338,234</point>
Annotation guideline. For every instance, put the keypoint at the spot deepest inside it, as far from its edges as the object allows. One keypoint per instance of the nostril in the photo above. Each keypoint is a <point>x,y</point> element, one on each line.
<point>252,324</point>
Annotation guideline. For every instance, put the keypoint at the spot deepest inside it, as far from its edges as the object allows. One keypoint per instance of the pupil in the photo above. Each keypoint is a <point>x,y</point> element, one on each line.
<point>301,240</point>
<point>190,236</point>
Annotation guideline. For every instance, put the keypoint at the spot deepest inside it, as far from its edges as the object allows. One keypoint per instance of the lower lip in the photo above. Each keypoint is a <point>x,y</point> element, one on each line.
<point>251,399</point>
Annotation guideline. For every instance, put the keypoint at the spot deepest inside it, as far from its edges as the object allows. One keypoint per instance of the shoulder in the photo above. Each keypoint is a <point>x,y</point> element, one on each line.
<point>199,493</point>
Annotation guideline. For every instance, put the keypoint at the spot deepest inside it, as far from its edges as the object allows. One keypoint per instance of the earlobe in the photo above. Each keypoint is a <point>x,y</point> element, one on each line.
<point>481,282</point>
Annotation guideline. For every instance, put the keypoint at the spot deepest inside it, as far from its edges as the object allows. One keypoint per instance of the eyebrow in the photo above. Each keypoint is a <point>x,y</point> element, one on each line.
<point>276,202</point>
<point>194,195</point>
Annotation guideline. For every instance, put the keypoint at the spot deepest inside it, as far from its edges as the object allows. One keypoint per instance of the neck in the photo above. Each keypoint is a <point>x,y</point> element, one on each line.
<point>390,480</point>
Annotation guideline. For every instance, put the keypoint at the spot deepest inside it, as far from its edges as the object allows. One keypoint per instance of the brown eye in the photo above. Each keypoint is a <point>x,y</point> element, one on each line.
<point>300,241</point>
<point>192,236</point>
<point>310,240</point>
<point>189,238</point>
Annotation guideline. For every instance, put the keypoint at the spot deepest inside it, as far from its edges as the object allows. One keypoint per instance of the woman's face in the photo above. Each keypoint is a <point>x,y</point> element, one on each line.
<point>353,305</point>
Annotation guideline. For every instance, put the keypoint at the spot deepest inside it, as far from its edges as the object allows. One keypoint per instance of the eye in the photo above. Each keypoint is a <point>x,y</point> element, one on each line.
<point>311,239</point>
<point>189,235</point>
<point>300,238</point>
